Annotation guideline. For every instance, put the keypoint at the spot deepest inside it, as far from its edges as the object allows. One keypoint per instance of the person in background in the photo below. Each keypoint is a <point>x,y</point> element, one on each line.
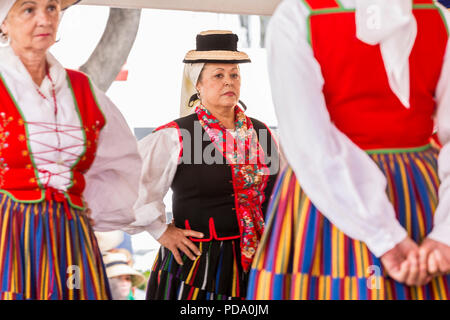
<point>64,147</point>
<point>123,278</point>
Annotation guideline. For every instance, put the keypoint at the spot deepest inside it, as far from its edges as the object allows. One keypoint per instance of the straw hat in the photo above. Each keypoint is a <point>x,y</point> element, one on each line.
<point>216,46</point>
<point>213,46</point>
<point>117,264</point>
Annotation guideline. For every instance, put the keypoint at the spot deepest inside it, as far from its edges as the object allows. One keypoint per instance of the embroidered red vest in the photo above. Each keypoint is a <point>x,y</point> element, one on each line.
<point>357,93</point>
<point>18,173</point>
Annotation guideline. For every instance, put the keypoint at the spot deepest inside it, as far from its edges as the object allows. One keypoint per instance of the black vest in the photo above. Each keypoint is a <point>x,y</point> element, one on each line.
<point>203,195</point>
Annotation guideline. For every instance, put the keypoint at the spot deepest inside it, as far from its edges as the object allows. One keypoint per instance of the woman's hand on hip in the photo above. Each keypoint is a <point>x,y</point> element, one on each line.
<point>176,239</point>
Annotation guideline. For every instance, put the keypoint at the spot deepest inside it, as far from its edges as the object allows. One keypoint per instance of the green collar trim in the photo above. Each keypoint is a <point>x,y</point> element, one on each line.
<point>398,150</point>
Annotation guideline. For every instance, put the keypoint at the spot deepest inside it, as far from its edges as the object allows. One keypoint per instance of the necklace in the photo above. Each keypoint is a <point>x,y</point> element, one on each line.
<point>53,92</point>
<point>60,161</point>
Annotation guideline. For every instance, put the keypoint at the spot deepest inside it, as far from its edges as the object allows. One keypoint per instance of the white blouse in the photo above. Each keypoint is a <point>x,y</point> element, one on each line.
<point>160,153</point>
<point>56,142</point>
<point>354,199</point>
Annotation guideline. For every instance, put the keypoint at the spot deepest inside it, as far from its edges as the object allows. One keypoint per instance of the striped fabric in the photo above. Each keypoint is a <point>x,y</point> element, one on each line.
<point>46,256</point>
<point>304,256</point>
<point>215,275</point>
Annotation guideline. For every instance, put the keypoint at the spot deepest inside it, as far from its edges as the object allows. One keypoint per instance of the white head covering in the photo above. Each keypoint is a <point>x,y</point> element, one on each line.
<point>392,25</point>
<point>5,6</point>
<point>191,74</point>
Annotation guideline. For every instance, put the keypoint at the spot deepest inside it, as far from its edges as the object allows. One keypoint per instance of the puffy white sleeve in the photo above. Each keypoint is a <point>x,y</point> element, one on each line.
<point>160,153</point>
<point>113,179</point>
<point>441,228</point>
<point>339,178</point>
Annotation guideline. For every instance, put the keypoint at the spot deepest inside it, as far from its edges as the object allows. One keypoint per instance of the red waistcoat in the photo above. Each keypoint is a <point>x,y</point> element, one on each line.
<point>357,93</point>
<point>18,172</point>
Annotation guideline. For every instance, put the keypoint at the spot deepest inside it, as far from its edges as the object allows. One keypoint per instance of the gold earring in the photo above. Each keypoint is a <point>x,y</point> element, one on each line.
<point>5,40</point>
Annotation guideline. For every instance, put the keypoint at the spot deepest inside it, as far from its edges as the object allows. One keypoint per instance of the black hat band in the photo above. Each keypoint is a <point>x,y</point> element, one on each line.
<point>225,42</point>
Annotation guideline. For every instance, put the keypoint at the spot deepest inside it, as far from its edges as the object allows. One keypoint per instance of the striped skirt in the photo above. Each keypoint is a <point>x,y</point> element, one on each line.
<point>302,255</point>
<point>215,275</point>
<point>46,256</point>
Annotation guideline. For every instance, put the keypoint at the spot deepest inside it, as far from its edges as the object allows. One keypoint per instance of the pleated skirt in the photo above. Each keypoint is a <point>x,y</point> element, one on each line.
<point>216,274</point>
<point>302,255</point>
<point>46,256</point>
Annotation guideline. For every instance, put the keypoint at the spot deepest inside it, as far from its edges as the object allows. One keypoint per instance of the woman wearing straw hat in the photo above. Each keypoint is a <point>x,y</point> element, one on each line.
<point>221,166</point>
<point>363,210</point>
<point>64,146</point>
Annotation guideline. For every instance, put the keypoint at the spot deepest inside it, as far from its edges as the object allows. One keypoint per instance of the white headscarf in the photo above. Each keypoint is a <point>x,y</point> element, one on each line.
<point>191,74</point>
<point>5,6</point>
<point>392,25</point>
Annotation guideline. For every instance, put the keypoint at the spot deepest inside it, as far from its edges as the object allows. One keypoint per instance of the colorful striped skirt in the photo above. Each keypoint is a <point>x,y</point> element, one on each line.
<point>216,274</point>
<point>46,256</point>
<point>302,255</point>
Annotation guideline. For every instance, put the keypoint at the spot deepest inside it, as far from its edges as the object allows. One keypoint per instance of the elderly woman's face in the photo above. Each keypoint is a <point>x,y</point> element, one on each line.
<point>220,84</point>
<point>33,24</point>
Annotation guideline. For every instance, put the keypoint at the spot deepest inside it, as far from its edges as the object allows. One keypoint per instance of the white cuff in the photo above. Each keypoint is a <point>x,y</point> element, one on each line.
<point>386,239</point>
<point>157,229</point>
<point>440,233</point>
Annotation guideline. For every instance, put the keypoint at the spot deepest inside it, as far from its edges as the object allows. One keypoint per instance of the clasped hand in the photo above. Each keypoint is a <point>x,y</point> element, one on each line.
<point>407,262</point>
<point>417,265</point>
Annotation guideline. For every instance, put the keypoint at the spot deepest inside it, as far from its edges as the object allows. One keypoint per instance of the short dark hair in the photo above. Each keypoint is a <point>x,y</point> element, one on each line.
<point>201,72</point>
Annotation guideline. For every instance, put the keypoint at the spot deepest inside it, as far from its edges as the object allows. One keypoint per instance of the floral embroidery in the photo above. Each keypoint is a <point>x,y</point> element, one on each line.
<point>96,128</point>
<point>4,134</point>
<point>250,174</point>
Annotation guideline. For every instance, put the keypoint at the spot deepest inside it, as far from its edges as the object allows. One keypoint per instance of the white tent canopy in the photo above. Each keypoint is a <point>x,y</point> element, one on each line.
<point>254,7</point>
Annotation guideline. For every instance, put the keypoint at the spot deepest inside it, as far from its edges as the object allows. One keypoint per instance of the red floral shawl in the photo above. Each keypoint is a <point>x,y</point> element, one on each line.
<point>246,158</point>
